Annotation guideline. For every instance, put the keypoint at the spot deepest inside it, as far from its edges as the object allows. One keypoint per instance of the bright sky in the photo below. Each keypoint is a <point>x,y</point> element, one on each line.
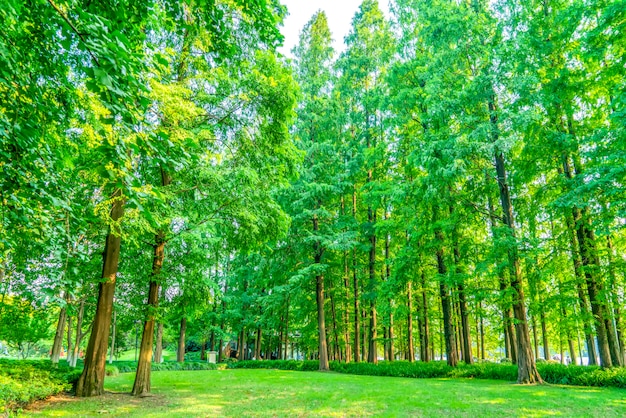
<point>339,13</point>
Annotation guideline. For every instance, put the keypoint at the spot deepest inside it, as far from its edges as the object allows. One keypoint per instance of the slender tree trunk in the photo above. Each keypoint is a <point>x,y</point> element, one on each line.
<point>409,323</point>
<point>590,264</point>
<point>426,334</point>
<point>319,291</point>
<point>337,350</point>
<point>617,302</point>
<point>57,346</point>
<point>544,333</point>
<point>446,306</point>
<point>91,381</point>
<point>372,352</point>
<point>257,344</point>
<point>79,332</point>
<point>482,334</point>
<point>535,336</point>
<point>355,283</point>
<point>142,377</point>
<point>580,284</point>
<point>526,367</point>
<point>113,334</point>
<point>180,353</point>
<point>70,348</point>
<point>158,344</point>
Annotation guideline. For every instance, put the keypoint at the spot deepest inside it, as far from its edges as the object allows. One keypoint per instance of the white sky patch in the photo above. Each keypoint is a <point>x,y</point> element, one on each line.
<point>339,13</point>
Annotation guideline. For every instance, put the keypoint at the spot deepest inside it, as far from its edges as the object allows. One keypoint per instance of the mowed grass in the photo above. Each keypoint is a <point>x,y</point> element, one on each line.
<point>274,393</point>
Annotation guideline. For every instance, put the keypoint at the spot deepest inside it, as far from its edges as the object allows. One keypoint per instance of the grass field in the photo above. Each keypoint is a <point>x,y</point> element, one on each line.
<point>273,393</point>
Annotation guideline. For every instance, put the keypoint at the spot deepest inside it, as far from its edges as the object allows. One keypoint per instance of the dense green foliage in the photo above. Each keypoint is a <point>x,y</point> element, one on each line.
<point>22,382</point>
<point>451,186</point>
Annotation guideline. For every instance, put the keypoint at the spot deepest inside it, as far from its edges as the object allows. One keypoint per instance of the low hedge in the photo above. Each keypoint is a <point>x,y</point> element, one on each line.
<point>131,366</point>
<point>24,381</point>
<point>550,372</point>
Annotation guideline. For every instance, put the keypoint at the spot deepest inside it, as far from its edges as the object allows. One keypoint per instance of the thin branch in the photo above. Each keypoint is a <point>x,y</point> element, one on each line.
<point>76,31</point>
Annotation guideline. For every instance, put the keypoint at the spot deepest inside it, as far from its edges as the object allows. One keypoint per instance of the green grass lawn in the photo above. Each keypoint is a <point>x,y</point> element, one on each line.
<point>273,393</point>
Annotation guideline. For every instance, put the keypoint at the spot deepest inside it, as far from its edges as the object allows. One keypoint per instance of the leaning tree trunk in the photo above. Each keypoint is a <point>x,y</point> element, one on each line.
<point>91,381</point>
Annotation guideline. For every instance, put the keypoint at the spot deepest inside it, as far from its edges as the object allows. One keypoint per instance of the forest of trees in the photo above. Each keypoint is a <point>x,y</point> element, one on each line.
<point>450,186</point>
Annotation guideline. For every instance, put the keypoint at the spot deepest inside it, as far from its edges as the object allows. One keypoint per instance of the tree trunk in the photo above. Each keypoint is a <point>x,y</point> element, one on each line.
<point>617,302</point>
<point>158,344</point>
<point>466,337</point>
<point>79,332</point>
<point>70,348</point>
<point>323,348</point>
<point>590,265</point>
<point>426,330</point>
<point>257,344</point>
<point>113,333</point>
<point>409,323</point>
<point>355,283</point>
<point>180,352</point>
<point>482,335</point>
<point>336,350</point>
<point>526,368</point>
<point>544,334</point>
<point>142,377</point>
<point>319,292</point>
<point>446,306</point>
<point>57,346</point>
<point>372,352</point>
<point>91,381</point>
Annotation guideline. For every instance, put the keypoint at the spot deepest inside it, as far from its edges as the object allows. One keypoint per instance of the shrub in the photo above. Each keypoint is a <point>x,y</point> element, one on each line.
<point>22,382</point>
<point>550,372</point>
<point>131,366</point>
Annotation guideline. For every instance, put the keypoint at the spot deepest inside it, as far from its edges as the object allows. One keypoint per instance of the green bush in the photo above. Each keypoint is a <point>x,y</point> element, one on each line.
<point>307,365</point>
<point>554,373</point>
<point>111,370</point>
<point>131,366</point>
<point>24,381</point>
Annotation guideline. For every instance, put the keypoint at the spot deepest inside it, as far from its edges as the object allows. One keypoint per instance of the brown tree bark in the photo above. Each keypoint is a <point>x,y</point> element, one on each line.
<point>372,351</point>
<point>466,337</point>
<point>544,334</point>
<point>180,352</point>
<point>526,368</point>
<point>409,323</point>
<point>355,284</point>
<point>446,306</point>
<point>91,381</point>
<point>141,385</point>
<point>113,334</point>
<point>426,340</point>
<point>70,347</point>
<point>79,332</point>
<point>319,292</point>
<point>58,337</point>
